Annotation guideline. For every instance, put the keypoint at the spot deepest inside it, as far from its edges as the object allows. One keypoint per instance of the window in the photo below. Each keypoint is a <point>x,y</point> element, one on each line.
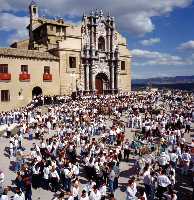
<point>46,70</point>
<point>122,65</point>
<point>58,29</point>
<point>5,96</point>
<point>101,44</point>
<point>51,27</point>
<point>24,68</point>
<point>3,68</point>
<point>34,10</point>
<point>72,62</point>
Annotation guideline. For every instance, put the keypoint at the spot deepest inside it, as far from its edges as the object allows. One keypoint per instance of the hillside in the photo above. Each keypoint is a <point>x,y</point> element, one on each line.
<point>165,80</point>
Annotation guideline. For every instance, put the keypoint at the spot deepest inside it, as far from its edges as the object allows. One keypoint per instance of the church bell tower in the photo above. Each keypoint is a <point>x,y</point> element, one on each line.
<point>33,9</point>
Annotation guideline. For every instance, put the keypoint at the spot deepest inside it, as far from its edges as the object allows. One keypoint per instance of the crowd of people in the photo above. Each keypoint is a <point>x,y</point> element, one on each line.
<point>79,145</point>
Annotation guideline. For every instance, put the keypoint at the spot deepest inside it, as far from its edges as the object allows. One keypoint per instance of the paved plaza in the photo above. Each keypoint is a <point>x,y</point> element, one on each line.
<point>183,187</point>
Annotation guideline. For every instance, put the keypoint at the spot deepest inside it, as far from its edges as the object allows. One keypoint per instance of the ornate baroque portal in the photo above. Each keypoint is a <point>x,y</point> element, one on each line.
<point>100,53</point>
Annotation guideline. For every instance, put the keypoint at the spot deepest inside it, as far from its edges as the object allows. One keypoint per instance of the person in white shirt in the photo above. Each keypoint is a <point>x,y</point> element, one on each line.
<point>46,172</point>
<point>126,147</point>
<point>111,178</point>
<point>67,178</point>
<point>11,146</point>
<point>75,191</point>
<point>36,175</point>
<point>142,195</point>
<point>111,136</point>
<point>178,151</point>
<point>54,179</point>
<point>186,158</point>
<point>103,191</point>
<point>75,169</point>
<point>84,195</point>
<point>173,158</point>
<point>147,180</point>
<point>19,195</point>
<point>171,195</point>
<point>95,194</point>
<point>2,179</point>
<point>163,159</point>
<point>70,197</point>
<point>163,182</point>
<point>131,190</point>
<point>4,196</point>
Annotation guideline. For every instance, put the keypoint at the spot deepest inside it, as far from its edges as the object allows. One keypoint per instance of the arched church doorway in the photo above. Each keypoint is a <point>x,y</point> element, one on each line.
<point>36,91</point>
<point>102,83</point>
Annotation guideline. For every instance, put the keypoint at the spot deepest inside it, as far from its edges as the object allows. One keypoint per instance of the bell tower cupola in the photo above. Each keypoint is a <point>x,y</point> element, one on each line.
<point>33,9</point>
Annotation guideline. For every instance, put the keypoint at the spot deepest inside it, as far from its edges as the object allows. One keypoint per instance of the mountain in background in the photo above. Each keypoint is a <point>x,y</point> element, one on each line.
<point>165,80</point>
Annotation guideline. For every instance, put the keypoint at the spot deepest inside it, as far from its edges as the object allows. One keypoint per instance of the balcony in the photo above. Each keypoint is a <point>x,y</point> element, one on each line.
<point>47,77</point>
<point>5,76</point>
<point>24,76</point>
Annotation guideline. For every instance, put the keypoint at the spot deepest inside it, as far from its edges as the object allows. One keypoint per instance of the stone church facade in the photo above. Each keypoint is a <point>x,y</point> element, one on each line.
<point>60,58</point>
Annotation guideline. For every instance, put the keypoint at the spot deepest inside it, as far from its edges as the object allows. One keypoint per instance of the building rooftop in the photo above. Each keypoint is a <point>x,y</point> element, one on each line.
<point>14,52</point>
<point>59,21</point>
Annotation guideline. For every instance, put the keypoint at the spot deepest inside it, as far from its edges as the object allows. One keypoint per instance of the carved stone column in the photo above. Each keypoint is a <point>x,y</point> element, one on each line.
<point>116,75</point>
<point>87,75</point>
<point>108,40</point>
<point>112,77</point>
<point>93,83</point>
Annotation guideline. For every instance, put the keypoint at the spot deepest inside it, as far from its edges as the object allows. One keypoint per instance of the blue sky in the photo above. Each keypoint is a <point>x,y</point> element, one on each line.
<point>160,33</point>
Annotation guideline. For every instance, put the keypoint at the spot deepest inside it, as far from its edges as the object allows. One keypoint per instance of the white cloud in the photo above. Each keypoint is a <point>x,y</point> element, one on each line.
<point>132,16</point>
<point>15,24</point>
<point>150,58</point>
<point>187,45</point>
<point>11,22</point>
<point>150,41</point>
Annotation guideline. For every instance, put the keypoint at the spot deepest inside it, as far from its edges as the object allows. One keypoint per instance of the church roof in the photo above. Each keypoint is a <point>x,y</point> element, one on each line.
<point>34,54</point>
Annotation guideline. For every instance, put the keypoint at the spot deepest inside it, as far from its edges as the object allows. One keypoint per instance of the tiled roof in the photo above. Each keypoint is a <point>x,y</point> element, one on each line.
<point>14,52</point>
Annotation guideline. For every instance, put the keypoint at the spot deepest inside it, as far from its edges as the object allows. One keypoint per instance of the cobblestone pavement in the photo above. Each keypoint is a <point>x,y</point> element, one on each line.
<point>183,185</point>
